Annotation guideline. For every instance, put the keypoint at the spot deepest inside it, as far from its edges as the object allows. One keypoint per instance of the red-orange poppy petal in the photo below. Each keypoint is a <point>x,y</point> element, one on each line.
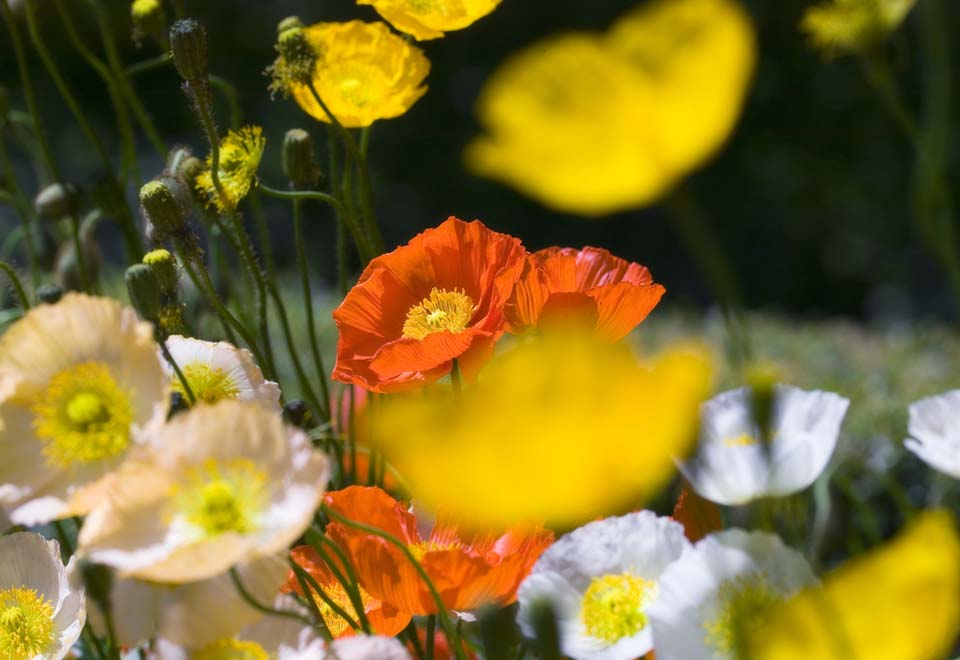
<point>375,508</point>
<point>431,352</point>
<point>530,295</point>
<point>622,307</point>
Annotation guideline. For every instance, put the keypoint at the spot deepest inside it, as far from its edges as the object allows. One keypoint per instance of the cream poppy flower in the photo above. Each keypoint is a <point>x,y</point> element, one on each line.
<point>934,429</point>
<point>366,647</point>
<point>41,615</point>
<point>719,590</point>
<point>734,466</point>
<point>219,370</point>
<point>79,382</point>
<point>221,485</point>
<point>601,579</point>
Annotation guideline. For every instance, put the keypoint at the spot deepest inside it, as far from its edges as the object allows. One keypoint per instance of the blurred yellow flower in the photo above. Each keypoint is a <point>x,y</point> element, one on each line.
<point>429,19</point>
<point>852,25</point>
<point>561,429</point>
<point>240,154</point>
<point>900,602</point>
<point>364,72</point>
<point>596,123</point>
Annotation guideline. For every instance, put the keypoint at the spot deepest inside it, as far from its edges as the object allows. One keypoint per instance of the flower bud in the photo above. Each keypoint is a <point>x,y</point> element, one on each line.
<point>296,59</point>
<point>49,293</point>
<point>164,266</point>
<point>296,413</point>
<point>162,209</point>
<point>298,162</point>
<point>67,266</point>
<point>171,319</point>
<point>149,20</point>
<point>144,291</point>
<point>762,378</point>
<point>188,42</point>
<point>56,201</point>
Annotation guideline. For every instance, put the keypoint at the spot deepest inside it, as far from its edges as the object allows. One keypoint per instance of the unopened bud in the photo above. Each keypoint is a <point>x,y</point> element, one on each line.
<point>762,378</point>
<point>68,266</point>
<point>188,42</point>
<point>298,162</point>
<point>56,201</point>
<point>149,20</point>
<point>49,293</point>
<point>144,291</point>
<point>164,266</point>
<point>164,213</point>
<point>296,414</point>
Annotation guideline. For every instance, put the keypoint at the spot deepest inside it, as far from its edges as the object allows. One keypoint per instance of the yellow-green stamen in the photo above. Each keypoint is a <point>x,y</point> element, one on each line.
<point>26,624</point>
<point>614,606</point>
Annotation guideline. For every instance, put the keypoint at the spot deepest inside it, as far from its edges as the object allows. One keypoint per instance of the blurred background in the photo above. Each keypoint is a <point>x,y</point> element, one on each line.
<point>810,198</point>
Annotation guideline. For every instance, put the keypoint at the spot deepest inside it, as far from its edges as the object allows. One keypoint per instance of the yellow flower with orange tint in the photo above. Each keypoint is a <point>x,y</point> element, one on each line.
<point>852,25</point>
<point>567,427</point>
<point>364,72</point>
<point>429,19</point>
<point>595,123</point>
<point>240,154</point>
<point>901,601</point>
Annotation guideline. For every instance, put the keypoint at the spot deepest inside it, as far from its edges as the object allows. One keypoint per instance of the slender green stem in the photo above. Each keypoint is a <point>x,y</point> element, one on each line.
<point>350,587</point>
<point>303,264</point>
<point>93,642</point>
<point>233,99</point>
<point>455,377</point>
<point>24,210</point>
<point>168,356</point>
<point>260,607</point>
<point>17,285</point>
<point>411,634</point>
<point>302,579</point>
<point>112,643</point>
<point>881,78</point>
<point>200,93</point>
<point>431,635</point>
<point>148,65</point>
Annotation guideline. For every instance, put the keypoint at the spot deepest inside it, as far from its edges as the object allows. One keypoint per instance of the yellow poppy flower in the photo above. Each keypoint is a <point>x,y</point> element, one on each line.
<point>364,72</point>
<point>429,19</point>
<point>596,123</point>
<point>240,154</point>
<point>900,602</point>
<point>566,427</point>
<point>852,25</point>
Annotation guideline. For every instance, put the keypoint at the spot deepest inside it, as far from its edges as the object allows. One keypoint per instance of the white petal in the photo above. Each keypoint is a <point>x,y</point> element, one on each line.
<point>935,430</point>
<point>363,647</point>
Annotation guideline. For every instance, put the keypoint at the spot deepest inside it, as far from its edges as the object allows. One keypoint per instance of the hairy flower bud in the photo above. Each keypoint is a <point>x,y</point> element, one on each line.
<point>149,20</point>
<point>164,266</point>
<point>162,209</point>
<point>49,293</point>
<point>296,60</point>
<point>56,201</point>
<point>298,161</point>
<point>143,288</point>
<point>188,42</point>
<point>296,413</point>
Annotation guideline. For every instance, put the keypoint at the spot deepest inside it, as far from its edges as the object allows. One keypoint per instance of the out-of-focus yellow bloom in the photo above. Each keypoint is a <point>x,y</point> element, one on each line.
<point>240,153</point>
<point>852,25</point>
<point>900,602</point>
<point>566,429</point>
<point>429,19</point>
<point>364,72</point>
<point>595,123</point>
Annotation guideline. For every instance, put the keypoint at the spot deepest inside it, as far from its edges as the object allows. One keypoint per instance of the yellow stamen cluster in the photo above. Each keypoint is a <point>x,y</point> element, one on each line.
<point>231,649</point>
<point>419,550</point>
<point>208,384</point>
<point>614,606</point>
<point>335,623</point>
<point>26,624</point>
<point>742,440</point>
<point>219,498</point>
<point>83,416</point>
<point>744,603</point>
<point>240,154</point>
<point>441,311</point>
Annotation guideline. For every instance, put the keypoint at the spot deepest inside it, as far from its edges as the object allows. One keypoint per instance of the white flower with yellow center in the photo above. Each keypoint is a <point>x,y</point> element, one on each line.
<point>218,370</point>
<point>79,382</point>
<point>41,615</point>
<point>601,579</point>
<point>366,647</point>
<point>720,590</point>
<point>220,485</point>
<point>935,432</point>
<point>734,464</point>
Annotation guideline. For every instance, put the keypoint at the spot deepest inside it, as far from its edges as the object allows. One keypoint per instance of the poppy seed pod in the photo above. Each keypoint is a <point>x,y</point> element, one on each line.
<point>188,42</point>
<point>143,289</point>
<point>298,161</point>
<point>49,293</point>
<point>164,266</point>
<point>162,209</point>
<point>56,201</point>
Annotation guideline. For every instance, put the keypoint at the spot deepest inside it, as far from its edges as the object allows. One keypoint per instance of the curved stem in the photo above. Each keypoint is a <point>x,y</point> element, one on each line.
<point>260,607</point>
<point>24,210</point>
<point>306,587</point>
<point>168,356</point>
<point>232,96</point>
<point>300,241</point>
<point>147,65</point>
<point>17,285</point>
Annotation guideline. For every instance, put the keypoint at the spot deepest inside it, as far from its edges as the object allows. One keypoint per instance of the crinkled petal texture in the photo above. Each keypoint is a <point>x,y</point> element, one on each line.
<point>376,350</point>
<point>619,558</point>
<point>467,572</point>
<point>720,587</point>
<point>221,485</point>
<point>609,295</point>
<point>934,429</point>
<point>34,580</point>
<point>595,123</point>
<point>364,72</point>
<point>567,427</point>
<point>429,19</point>
<point>898,602</point>
<point>219,370</point>
<point>733,465</point>
<point>80,381</point>
<point>366,647</point>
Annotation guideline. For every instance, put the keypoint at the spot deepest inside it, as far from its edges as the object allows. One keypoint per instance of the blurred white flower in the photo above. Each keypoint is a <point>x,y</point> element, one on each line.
<point>934,430</point>
<point>366,647</point>
<point>733,464</point>
<point>41,614</point>
<point>601,579</point>
<point>721,588</point>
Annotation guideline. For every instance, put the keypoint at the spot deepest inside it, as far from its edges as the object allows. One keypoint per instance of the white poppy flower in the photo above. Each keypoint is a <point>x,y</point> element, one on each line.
<point>366,647</point>
<point>41,614</point>
<point>721,588</point>
<point>601,579</point>
<point>220,485</point>
<point>935,432</point>
<point>219,370</point>
<point>733,465</point>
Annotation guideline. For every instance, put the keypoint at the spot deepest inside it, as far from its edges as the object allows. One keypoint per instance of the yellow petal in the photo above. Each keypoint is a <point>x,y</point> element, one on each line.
<point>429,19</point>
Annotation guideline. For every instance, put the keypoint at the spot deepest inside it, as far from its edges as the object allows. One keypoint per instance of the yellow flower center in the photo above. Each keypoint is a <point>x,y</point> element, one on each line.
<point>743,604</point>
<point>419,550</point>
<point>83,416</point>
<point>231,649</point>
<point>26,624</point>
<point>441,310</point>
<point>428,7</point>
<point>742,440</point>
<point>614,606</point>
<point>209,384</point>
<point>223,497</point>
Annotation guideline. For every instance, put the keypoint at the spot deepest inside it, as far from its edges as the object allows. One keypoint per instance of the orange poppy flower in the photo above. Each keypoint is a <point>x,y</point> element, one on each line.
<point>589,286</point>
<point>437,299</point>
<point>467,573</point>
<point>384,618</point>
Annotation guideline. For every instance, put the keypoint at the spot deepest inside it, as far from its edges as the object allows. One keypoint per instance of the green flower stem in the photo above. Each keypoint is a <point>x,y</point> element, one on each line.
<point>304,579</point>
<point>93,643</point>
<point>233,99</point>
<point>200,92</point>
<point>168,356</point>
<point>148,65</point>
<point>17,285</point>
<point>351,587</point>
<point>263,231</point>
<point>366,192</point>
<point>353,583</point>
<point>431,635</point>
<point>260,607</point>
<point>23,208</point>
<point>341,249</point>
<point>411,633</point>
<point>445,623</point>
